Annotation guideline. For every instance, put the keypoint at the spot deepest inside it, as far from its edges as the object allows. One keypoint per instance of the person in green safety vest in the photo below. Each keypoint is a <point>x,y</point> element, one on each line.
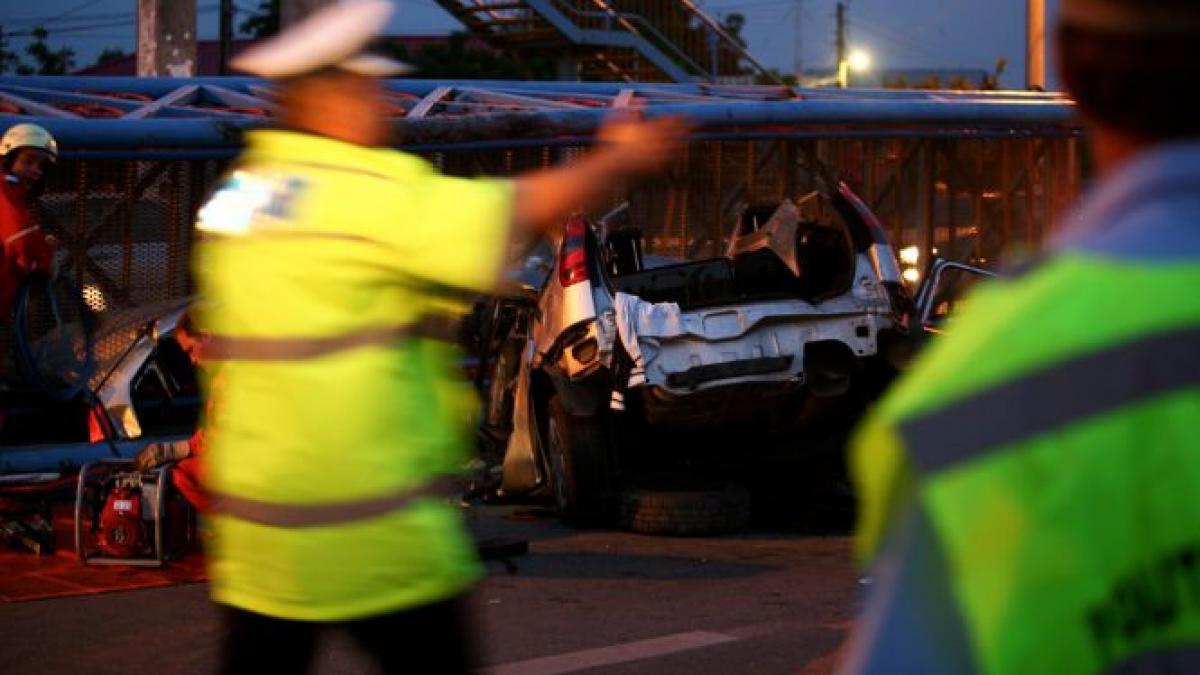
<point>1030,490</point>
<point>318,256</point>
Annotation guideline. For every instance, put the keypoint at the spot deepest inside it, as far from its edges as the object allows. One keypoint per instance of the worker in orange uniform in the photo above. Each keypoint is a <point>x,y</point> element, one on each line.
<point>27,152</point>
<point>187,475</point>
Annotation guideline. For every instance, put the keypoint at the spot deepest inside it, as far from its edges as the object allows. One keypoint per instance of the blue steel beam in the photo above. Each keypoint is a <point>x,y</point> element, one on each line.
<point>49,96</point>
<point>39,101</point>
<point>577,141</point>
<point>33,106</point>
<point>237,99</point>
<point>545,112</point>
<point>831,117</point>
<point>509,99</point>
<point>159,86</point>
<point>182,95</point>
<point>429,101</point>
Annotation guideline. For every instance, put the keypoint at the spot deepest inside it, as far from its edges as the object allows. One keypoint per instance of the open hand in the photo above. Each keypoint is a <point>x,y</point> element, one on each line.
<point>643,146</point>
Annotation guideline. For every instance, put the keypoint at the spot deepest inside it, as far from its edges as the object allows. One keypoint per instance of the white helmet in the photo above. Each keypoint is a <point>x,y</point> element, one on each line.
<point>28,136</point>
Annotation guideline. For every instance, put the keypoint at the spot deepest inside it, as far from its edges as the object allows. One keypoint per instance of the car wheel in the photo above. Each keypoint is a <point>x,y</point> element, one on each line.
<point>578,455</point>
<point>695,510</point>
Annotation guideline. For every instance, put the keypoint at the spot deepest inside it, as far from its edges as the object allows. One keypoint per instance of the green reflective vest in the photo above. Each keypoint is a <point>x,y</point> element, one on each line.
<point>315,259</point>
<point>1053,439</point>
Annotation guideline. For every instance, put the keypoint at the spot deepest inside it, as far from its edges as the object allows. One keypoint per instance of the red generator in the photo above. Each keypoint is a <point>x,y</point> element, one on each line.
<point>130,517</point>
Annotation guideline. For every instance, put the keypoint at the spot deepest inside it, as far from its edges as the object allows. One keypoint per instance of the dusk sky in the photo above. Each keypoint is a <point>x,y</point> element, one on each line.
<point>897,33</point>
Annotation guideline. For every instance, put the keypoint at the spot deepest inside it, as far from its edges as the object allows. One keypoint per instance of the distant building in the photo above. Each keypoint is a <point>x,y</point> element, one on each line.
<point>208,53</point>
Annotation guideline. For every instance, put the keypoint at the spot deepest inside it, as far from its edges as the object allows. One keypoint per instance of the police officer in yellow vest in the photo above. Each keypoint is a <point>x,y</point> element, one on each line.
<point>316,255</point>
<point>1030,492</point>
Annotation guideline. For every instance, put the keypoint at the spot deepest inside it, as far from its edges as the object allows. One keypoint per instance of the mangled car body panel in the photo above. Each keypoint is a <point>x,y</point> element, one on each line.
<point>802,296</point>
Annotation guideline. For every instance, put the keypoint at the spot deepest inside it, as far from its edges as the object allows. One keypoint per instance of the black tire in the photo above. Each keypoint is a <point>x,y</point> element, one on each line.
<point>579,469</point>
<point>686,511</point>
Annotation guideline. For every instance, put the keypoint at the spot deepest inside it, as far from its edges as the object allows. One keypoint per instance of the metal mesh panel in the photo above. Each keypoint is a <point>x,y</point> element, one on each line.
<point>124,231</point>
<point>125,226</point>
<point>981,201</point>
<point>974,200</point>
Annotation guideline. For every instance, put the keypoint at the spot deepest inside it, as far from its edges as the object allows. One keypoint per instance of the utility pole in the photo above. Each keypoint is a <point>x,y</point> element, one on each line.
<point>714,56</point>
<point>798,54</point>
<point>843,66</point>
<point>166,38</point>
<point>1035,45</point>
<point>226,35</point>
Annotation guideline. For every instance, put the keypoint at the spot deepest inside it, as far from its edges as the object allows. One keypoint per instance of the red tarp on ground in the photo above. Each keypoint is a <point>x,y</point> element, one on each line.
<point>25,575</point>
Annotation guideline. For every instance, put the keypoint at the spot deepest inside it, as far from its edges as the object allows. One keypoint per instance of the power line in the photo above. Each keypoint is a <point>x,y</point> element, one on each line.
<point>953,8</point>
<point>909,37</point>
<point>898,39</point>
<point>59,17</point>
<point>90,19</point>
<point>99,25</point>
<point>69,30</point>
<point>82,18</point>
<point>783,18</point>
<point>78,8</point>
<point>747,5</point>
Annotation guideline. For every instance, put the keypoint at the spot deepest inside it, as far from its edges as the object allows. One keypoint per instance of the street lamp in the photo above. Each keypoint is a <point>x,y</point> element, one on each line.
<point>858,60</point>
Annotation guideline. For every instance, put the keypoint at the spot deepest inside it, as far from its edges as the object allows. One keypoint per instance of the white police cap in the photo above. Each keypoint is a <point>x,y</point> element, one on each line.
<point>333,36</point>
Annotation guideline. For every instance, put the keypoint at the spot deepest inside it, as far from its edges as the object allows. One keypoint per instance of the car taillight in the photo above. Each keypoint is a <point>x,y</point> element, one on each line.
<point>572,261</point>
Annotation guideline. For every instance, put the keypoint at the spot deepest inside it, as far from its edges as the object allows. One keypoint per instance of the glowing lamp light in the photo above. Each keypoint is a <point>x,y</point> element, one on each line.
<point>93,297</point>
<point>859,60</point>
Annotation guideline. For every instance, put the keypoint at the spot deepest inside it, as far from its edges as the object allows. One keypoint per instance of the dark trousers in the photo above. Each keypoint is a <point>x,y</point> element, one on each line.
<point>428,639</point>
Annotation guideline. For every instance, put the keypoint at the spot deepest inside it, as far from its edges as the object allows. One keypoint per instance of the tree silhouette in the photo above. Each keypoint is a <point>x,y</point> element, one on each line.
<point>109,55</point>
<point>46,61</point>
<point>733,24</point>
<point>263,22</point>
<point>9,60</point>
<point>991,81</point>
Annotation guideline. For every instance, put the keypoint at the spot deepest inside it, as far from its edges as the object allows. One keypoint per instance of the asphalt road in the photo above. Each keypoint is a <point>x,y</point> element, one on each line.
<point>762,602</point>
<point>772,600</point>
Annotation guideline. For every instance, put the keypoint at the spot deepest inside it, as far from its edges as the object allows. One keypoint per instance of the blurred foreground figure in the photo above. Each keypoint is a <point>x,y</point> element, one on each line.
<point>1030,492</point>
<point>320,256</point>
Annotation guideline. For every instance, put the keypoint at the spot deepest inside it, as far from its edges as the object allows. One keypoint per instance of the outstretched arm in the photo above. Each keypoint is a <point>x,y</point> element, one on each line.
<point>625,148</point>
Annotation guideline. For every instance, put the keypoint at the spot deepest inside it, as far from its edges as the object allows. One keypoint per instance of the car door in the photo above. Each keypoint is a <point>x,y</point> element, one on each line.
<point>941,293</point>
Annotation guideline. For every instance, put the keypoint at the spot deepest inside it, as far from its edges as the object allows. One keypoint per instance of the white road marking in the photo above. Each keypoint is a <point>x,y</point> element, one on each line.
<point>613,654</point>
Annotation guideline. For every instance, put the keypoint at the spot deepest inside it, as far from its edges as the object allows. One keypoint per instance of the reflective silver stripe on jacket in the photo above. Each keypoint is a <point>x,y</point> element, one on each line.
<point>230,348</point>
<point>1064,393</point>
<point>335,513</point>
<point>20,234</point>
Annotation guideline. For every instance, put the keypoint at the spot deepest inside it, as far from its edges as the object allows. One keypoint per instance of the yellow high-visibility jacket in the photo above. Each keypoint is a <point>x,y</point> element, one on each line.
<point>316,259</point>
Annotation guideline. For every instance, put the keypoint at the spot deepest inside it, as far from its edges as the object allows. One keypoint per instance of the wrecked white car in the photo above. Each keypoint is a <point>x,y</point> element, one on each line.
<point>806,305</point>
